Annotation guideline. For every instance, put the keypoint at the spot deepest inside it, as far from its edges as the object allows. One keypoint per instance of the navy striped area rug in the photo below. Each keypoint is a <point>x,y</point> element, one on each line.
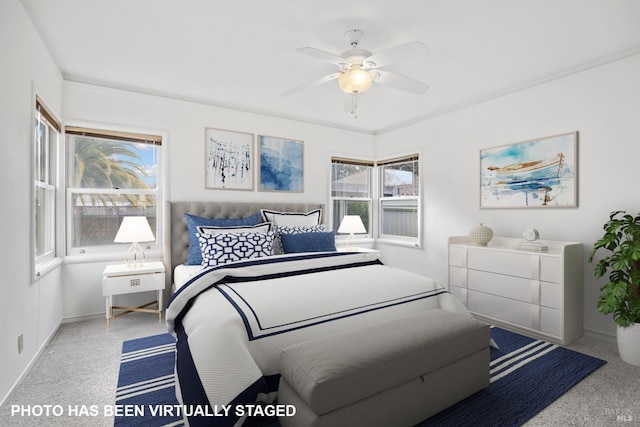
<point>526,376</point>
<point>146,383</point>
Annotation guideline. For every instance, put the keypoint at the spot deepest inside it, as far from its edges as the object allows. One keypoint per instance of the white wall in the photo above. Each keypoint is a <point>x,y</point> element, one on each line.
<point>183,125</point>
<point>31,309</point>
<point>602,103</point>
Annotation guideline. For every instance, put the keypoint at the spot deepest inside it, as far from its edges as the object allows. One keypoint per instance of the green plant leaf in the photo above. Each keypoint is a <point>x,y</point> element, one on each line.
<point>634,308</point>
<point>621,295</point>
<point>601,268</point>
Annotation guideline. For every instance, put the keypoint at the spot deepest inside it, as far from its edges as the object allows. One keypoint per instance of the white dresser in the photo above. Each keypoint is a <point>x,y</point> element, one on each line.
<point>539,293</point>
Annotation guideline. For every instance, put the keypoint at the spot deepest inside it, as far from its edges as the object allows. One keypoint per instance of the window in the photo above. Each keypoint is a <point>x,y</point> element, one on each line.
<point>351,190</point>
<point>399,198</point>
<point>47,132</point>
<point>110,175</point>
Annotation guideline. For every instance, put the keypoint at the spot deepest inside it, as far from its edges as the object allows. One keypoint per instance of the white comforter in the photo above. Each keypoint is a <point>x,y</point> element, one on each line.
<point>232,321</point>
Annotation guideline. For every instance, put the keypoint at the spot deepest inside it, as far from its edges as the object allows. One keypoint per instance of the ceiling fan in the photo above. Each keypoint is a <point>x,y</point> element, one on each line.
<point>358,69</point>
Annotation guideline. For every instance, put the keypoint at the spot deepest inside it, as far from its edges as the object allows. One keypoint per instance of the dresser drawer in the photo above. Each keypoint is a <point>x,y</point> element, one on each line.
<point>504,309</point>
<point>551,321</point>
<point>459,293</point>
<point>530,316</point>
<point>114,285</point>
<point>517,288</point>
<point>551,269</point>
<point>458,256</point>
<point>512,264</point>
<point>458,276</point>
<point>551,295</point>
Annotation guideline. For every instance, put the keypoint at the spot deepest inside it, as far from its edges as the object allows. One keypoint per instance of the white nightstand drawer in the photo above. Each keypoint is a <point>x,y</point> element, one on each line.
<point>133,283</point>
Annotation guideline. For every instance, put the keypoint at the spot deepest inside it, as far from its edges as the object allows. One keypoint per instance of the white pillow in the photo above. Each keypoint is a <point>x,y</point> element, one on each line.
<point>292,219</point>
<point>264,227</point>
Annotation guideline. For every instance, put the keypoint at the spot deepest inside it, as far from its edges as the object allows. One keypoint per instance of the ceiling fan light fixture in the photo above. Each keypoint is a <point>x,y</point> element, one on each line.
<point>356,80</point>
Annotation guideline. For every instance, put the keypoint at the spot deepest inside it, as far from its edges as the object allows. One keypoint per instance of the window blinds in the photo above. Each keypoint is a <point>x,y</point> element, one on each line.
<point>44,112</point>
<point>114,135</point>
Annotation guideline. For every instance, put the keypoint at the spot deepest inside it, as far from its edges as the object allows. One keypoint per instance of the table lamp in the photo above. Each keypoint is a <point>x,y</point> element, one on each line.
<point>134,229</point>
<point>351,224</point>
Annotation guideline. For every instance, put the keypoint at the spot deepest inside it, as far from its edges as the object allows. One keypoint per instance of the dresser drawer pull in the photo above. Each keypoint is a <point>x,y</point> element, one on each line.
<point>135,282</point>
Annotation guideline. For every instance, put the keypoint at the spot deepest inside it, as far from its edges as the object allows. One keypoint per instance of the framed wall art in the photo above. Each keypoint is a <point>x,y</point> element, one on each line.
<point>281,164</point>
<point>229,159</point>
<point>539,173</point>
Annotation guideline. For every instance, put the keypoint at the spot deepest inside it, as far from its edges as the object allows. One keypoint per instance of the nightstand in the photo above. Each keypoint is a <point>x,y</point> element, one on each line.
<point>124,279</point>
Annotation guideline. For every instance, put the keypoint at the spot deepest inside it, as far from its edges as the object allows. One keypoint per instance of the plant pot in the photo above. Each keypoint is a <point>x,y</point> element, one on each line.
<point>629,343</point>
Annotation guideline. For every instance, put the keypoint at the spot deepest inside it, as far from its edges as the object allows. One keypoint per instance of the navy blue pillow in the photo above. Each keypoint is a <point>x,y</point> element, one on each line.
<point>193,222</point>
<point>308,242</point>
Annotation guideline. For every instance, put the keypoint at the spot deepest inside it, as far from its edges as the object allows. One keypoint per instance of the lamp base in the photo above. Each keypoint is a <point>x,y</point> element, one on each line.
<point>135,257</point>
<point>351,240</point>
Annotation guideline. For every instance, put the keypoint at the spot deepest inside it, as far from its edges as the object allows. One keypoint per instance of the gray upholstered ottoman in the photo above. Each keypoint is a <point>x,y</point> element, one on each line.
<point>394,373</point>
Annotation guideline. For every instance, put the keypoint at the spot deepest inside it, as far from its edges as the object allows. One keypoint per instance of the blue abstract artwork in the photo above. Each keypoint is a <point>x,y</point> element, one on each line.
<point>281,164</point>
<point>537,173</point>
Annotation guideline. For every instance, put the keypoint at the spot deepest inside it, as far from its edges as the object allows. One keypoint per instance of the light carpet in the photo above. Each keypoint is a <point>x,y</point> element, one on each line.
<point>526,376</point>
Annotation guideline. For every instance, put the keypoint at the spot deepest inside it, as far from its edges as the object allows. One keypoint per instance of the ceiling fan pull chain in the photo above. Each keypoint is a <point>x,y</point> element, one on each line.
<point>354,105</point>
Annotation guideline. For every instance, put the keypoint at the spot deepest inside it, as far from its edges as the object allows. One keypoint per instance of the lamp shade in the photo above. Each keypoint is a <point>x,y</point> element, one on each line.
<point>356,80</point>
<point>352,224</point>
<point>134,229</point>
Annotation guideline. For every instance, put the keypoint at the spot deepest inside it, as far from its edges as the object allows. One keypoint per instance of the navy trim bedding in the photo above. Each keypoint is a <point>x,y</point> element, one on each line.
<point>232,321</point>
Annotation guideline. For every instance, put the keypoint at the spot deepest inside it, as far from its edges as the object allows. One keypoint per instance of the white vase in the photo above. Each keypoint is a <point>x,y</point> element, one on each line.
<point>480,235</point>
<point>629,343</point>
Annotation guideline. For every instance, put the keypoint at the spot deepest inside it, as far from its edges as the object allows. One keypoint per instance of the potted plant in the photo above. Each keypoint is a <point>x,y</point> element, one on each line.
<point>621,295</point>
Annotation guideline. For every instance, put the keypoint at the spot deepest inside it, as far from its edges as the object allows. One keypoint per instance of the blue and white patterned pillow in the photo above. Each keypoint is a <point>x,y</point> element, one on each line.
<point>228,247</point>
<point>193,221</point>
<point>282,229</point>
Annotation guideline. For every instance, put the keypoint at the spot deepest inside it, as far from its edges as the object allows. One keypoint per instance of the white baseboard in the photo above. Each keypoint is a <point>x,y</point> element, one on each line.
<point>599,335</point>
<point>81,318</point>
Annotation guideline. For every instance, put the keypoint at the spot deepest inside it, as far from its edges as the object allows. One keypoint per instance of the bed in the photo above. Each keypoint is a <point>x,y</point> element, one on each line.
<point>233,319</point>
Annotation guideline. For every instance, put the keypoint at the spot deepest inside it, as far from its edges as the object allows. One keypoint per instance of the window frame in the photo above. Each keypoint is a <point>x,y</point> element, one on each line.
<point>113,133</point>
<point>369,200</point>
<point>415,241</point>
<point>46,169</point>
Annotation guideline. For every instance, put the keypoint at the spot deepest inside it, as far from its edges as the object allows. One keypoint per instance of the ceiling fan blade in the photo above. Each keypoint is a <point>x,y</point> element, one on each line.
<point>311,84</point>
<point>396,54</point>
<point>400,82</point>
<point>323,55</point>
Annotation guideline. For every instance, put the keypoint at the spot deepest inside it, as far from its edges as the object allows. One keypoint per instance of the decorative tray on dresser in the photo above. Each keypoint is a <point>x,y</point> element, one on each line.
<point>536,292</point>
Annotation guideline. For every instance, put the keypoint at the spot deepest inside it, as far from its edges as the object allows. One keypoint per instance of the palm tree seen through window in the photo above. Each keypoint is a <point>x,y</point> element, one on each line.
<point>109,179</point>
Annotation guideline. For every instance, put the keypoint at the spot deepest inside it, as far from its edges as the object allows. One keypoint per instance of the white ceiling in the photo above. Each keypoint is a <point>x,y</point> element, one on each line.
<point>241,54</point>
